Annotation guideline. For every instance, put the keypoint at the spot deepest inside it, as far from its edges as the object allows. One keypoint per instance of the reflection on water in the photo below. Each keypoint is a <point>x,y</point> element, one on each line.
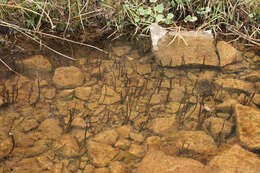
<point>103,113</point>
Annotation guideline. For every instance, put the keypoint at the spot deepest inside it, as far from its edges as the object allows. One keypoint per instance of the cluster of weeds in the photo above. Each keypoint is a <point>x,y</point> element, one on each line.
<point>239,18</point>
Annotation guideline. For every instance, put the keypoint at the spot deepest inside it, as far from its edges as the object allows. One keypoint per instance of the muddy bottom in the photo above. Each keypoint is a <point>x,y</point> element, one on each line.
<point>107,112</point>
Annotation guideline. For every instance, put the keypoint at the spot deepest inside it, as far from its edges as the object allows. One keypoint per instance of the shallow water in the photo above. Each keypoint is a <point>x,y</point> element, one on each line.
<point>123,100</point>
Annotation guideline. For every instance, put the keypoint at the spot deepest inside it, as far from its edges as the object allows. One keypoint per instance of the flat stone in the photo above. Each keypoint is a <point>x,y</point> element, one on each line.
<point>68,77</point>
<point>184,48</point>
<point>38,148</point>
<point>235,84</point>
<point>49,93</point>
<point>236,160</point>
<point>157,161</point>
<point>101,154</point>
<point>217,127</point>
<point>28,124</point>
<point>66,146</point>
<point>124,131</point>
<point>143,69</point>
<point>6,144</point>
<point>101,170</point>
<point>107,137</point>
<point>121,50</point>
<point>138,137</point>
<point>122,143</point>
<point>137,150</point>
<point>226,106</point>
<point>248,126</point>
<point>194,141</point>
<point>109,96</point>
<point>227,53</point>
<point>50,129</point>
<point>117,167</point>
<point>83,93</point>
<point>162,125</point>
<point>33,64</point>
<point>256,99</point>
<point>253,76</point>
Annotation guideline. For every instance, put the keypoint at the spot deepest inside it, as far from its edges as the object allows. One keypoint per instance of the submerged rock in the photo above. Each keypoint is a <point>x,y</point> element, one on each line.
<point>68,77</point>
<point>177,48</point>
<point>157,161</point>
<point>34,65</point>
<point>183,48</point>
<point>248,126</point>
<point>236,160</point>
<point>227,53</point>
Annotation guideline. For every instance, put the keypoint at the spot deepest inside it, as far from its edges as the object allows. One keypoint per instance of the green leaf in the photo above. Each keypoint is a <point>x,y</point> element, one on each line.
<point>153,1</point>
<point>160,18</point>
<point>136,19</point>
<point>141,11</point>
<point>190,18</point>
<point>159,8</point>
<point>173,3</point>
<point>148,11</point>
<point>170,16</point>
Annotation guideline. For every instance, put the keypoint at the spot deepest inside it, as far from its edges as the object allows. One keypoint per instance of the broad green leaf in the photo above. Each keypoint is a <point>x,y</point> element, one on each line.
<point>148,11</point>
<point>170,16</point>
<point>190,18</point>
<point>141,11</point>
<point>160,18</point>
<point>159,8</point>
<point>153,1</point>
<point>173,3</point>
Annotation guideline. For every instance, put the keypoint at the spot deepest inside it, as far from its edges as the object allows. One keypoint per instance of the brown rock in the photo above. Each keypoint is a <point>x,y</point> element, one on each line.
<point>6,144</point>
<point>67,146</point>
<point>226,106</point>
<point>123,131</point>
<point>28,124</point>
<point>162,125</point>
<point>109,96</point>
<point>23,140</point>
<point>137,150</point>
<point>89,169</point>
<point>143,69</point>
<point>27,165</point>
<point>217,127</point>
<point>235,84</point>
<point>83,93</point>
<point>68,77</point>
<point>194,141</point>
<point>39,147</point>
<point>253,76</point>
<point>66,94</point>
<point>116,167</point>
<point>227,53</point>
<point>188,48</point>
<point>50,129</point>
<point>49,93</point>
<point>138,137</point>
<point>107,137</point>
<point>35,63</point>
<point>236,160</point>
<point>121,50</point>
<point>122,144</point>
<point>158,162</point>
<point>101,154</point>
<point>101,170</point>
<point>248,126</point>
<point>256,99</point>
